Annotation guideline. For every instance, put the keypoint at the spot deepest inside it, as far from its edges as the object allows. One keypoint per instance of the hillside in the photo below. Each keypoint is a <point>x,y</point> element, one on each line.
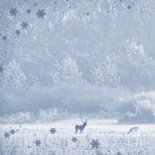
<point>89,57</point>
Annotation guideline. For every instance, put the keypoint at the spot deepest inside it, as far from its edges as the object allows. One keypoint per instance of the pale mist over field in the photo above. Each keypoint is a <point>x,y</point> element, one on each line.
<point>65,58</point>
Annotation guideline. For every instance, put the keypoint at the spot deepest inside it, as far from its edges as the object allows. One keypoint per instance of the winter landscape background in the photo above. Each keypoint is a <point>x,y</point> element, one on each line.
<point>66,58</point>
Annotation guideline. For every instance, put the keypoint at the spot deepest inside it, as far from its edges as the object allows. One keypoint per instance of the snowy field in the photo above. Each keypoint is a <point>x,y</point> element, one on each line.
<point>99,138</point>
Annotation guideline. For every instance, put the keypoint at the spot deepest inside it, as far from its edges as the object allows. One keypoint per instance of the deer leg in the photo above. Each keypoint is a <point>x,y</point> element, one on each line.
<point>75,130</point>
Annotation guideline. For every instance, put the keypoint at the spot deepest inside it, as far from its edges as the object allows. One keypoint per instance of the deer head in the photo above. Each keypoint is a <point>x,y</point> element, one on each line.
<point>84,122</point>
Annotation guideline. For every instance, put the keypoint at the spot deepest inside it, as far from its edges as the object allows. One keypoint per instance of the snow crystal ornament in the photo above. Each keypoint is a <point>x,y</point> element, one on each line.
<point>52,130</point>
<point>12,131</point>
<point>37,142</point>
<point>28,11</point>
<point>24,25</point>
<point>4,38</point>
<point>17,32</point>
<point>74,139</point>
<point>95,144</point>
<point>87,13</point>
<point>119,153</point>
<point>40,13</point>
<point>35,4</point>
<point>13,11</point>
<point>1,69</point>
<point>6,135</point>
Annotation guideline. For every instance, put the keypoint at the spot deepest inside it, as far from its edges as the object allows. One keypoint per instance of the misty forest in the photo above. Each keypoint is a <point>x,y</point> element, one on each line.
<point>77,77</point>
<point>66,58</point>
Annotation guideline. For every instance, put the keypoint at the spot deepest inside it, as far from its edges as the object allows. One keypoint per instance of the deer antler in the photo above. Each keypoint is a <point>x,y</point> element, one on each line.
<point>82,119</point>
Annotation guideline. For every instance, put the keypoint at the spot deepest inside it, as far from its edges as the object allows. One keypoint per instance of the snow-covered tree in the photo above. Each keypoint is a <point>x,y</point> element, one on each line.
<point>136,54</point>
<point>106,74</point>
<point>13,76</point>
<point>144,109</point>
<point>66,71</point>
<point>41,35</point>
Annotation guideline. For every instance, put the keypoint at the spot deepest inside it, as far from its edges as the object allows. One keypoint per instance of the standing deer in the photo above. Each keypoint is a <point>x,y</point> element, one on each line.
<point>81,127</point>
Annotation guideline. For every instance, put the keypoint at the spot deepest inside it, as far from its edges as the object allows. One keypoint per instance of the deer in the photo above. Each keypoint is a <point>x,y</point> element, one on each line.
<point>133,129</point>
<point>81,127</point>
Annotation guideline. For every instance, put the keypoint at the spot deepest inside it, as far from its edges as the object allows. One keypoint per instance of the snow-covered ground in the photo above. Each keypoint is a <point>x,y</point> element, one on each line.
<point>100,137</point>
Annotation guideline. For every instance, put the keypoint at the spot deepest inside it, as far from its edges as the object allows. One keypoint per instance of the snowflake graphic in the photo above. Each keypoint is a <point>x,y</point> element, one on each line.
<point>6,135</point>
<point>95,144</point>
<point>87,13</point>
<point>37,142</point>
<point>28,11</point>
<point>13,11</point>
<point>17,32</point>
<point>4,38</point>
<point>40,13</point>
<point>1,69</point>
<point>12,131</point>
<point>52,130</point>
<point>119,153</point>
<point>24,25</point>
<point>74,139</point>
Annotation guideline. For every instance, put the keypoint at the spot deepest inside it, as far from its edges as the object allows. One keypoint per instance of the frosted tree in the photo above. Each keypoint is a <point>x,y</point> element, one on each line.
<point>135,53</point>
<point>106,73</point>
<point>137,65</point>
<point>67,72</point>
<point>13,75</point>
